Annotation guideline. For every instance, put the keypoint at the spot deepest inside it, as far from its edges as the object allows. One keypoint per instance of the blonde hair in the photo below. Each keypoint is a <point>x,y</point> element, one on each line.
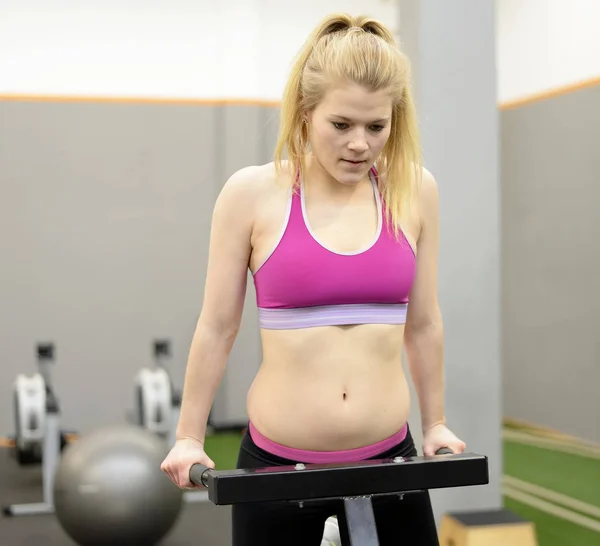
<point>361,50</point>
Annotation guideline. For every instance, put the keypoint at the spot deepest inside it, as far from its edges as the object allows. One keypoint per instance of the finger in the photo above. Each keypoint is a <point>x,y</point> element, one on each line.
<point>183,478</point>
<point>204,461</point>
<point>458,447</point>
<point>170,475</point>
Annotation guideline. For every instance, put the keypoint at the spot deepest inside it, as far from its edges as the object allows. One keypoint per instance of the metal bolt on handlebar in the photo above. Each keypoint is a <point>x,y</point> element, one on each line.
<point>300,466</point>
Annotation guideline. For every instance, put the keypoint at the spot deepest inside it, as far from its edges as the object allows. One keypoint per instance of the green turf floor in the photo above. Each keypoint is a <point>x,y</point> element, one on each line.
<point>553,531</point>
<point>572,475</point>
<point>223,448</point>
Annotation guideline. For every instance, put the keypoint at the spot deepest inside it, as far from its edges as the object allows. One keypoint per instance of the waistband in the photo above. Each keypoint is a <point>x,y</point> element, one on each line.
<point>324,457</point>
<point>332,315</point>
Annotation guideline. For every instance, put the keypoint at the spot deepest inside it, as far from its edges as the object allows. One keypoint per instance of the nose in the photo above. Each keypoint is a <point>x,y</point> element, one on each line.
<point>358,142</point>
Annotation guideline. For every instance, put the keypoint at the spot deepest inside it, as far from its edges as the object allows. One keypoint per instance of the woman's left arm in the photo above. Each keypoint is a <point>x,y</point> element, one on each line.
<point>424,332</point>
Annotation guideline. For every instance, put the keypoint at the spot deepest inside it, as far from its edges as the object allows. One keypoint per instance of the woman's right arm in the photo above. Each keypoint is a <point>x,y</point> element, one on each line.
<point>224,295</point>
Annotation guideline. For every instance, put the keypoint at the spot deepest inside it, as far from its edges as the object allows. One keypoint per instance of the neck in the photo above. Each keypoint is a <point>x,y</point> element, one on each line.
<point>317,178</point>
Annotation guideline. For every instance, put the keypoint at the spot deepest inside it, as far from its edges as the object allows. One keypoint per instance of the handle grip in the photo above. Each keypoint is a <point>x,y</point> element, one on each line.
<point>198,474</point>
<point>444,451</point>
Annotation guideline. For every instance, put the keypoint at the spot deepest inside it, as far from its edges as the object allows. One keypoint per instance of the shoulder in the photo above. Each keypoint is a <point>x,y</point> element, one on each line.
<point>248,185</point>
<point>242,183</point>
<point>424,186</point>
<point>246,192</point>
<point>427,196</point>
<point>427,188</point>
<point>252,180</point>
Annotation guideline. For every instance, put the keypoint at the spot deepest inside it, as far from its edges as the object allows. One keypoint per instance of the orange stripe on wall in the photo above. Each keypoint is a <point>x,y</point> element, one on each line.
<point>549,94</point>
<point>139,100</point>
<point>10,442</point>
<point>507,105</point>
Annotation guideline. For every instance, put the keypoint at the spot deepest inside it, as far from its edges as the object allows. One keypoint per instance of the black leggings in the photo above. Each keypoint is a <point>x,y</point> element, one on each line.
<point>402,522</point>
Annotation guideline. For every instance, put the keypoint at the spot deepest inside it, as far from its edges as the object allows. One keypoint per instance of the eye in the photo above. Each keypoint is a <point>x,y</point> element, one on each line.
<point>377,128</point>
<point>339,126</point>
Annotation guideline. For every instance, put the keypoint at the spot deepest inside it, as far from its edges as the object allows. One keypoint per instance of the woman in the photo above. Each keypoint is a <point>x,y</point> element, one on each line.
<point>342,242</point>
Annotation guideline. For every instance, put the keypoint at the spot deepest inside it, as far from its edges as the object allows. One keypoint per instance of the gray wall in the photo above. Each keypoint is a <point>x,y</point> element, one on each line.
<point>452,48</point>
<point>551,262</point>
<point>105,212</point>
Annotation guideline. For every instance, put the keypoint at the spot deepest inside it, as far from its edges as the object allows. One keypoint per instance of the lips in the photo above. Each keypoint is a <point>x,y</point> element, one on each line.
<point>353,162</point>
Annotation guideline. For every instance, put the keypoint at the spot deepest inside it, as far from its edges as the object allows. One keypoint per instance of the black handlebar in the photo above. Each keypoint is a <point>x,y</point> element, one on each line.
<point>198,471</point>
<point>197,474</point>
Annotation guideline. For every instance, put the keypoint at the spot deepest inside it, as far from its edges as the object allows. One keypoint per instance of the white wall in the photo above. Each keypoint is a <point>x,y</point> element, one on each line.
<point>153,48</point>
<point>243,48</point>
<point>542,45</point>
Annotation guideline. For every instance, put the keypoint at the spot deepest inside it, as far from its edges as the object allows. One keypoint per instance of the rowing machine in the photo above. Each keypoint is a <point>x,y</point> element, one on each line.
<point>157,402</point>
<point>38,438</point>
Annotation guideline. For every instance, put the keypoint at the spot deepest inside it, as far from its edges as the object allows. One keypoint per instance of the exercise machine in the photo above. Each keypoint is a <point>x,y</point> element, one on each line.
<point>354,483</point>
<point>38,438</point>
<point>157,402</point>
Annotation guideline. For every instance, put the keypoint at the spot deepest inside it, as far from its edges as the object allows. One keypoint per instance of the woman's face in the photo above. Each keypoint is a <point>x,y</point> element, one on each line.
<point>348,130</point>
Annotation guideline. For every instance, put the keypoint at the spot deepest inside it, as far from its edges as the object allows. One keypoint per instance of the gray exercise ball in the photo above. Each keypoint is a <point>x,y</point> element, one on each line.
<point>109,489</point>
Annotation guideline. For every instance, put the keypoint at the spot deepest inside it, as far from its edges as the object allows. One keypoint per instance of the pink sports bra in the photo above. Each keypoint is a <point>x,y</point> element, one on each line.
<point>302,283</point>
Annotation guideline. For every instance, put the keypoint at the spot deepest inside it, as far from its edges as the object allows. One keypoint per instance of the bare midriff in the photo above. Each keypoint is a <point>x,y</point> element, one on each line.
<point>330,388</point>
